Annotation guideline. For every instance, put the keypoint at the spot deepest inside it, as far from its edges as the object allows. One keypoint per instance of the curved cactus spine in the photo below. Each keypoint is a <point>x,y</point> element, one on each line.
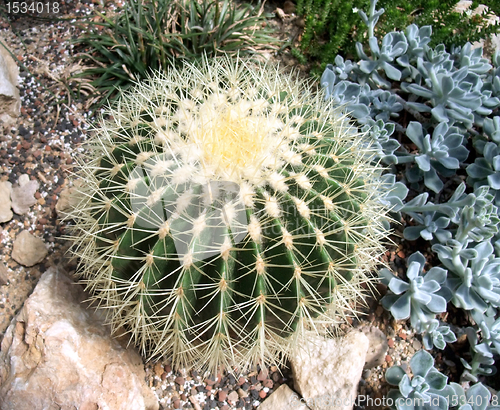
<point>226,210</point>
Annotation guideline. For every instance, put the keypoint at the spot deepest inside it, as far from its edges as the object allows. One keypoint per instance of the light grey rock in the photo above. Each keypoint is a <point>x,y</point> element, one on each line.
<point>4,278</point>
<point>22,195</point>
<point>28,250</point>
<point>67,200</point>
<point>5,203</point>
<point>284,398</point>
<point>57,354</point>
<point>327,371</point>
<point>10,101</point>
<point>378,346</point>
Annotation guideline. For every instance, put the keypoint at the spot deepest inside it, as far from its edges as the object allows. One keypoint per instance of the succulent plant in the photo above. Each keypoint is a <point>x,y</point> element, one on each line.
<point>227,209</point>
<point>418,38</point>
<point>380,135</point>
<point>486,170</point>
<point>477,397</point>
<point>491,127</point>
<point>454,99</point>
<point>395,192</point>
<point>471,58</point>
<point>450,208</point>
<point>430,225</point>
<point>451,101</point>
<point>434,335</point>
<point>442,152</point>
<point>475,275</point>
<point>394,45</point>
<point>427,390</point>
<point>482,362</point>
<point>417,299</point>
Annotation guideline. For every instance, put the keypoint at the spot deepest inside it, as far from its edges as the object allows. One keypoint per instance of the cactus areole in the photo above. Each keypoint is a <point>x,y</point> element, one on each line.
<point>226,210</point>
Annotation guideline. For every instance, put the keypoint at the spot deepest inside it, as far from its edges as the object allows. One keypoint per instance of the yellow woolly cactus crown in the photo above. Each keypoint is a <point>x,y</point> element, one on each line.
<point>226,210</point>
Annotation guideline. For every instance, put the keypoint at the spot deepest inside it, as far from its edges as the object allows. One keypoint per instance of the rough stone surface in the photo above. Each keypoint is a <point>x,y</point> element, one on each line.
<point>4,279</point>
<point>28,250</point>
<point>5,203</point>
<point>67,200</point>
<point>22,195</point>
<point>378,346</point>
<point>327,371</point>
<point>284,398</point>
<point>10,101</point>
<point>56,354</point>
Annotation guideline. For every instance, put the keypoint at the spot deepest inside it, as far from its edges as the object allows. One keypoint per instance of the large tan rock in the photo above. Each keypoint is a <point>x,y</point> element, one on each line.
<point>23,194</point>
<point>327,371</point>
<point>284,398</point>
<point>5,203</point>
<point>10,101</point>
<point>57,354</point>
<point>28,250</point>
<point>68,199</point>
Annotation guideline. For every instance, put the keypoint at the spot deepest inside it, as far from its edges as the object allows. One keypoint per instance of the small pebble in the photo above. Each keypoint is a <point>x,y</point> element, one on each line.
<point>233,397</point>
<point>268,383</point>
<point>222,395</point>
<point>262,375</point>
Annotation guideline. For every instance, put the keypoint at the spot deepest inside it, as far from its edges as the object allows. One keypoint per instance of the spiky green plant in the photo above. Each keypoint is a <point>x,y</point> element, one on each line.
<point>226,210</point>
<point>152,35</point>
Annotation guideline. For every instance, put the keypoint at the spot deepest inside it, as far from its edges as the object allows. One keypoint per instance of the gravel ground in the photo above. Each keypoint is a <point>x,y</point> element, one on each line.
<point>43,143</point>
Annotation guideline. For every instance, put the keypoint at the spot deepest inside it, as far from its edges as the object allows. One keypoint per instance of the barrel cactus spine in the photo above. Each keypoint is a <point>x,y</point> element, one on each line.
<point>226,210</point>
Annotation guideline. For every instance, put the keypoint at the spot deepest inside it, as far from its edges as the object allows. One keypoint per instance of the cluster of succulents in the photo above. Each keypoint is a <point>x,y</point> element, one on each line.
<point>227,209</point>
<point>434,117</point>
<point>429,389</point>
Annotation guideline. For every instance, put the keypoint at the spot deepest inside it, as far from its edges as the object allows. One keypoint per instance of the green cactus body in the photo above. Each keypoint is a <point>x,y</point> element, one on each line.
<point>227,209</point>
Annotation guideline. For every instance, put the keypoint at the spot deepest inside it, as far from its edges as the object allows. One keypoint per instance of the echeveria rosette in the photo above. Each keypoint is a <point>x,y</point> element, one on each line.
<point>486,170</point>
<point>395,192</point>
<point>438,57</point>
<point>426,390</point>
<point>386,106</point>
<point>356,98</point>
<point>491,128</point>
<point>430,225</point>
<point>494,77</point>
<point>394,45</point>
<point>343,69</point>
<point>474,274</point>
<point>442,152</point>
<point>417,299</point>
<point>418,38</point>
<point>451,97</point>
<point>471,58</point>
<point>436,335</point>
<point>380,133</point>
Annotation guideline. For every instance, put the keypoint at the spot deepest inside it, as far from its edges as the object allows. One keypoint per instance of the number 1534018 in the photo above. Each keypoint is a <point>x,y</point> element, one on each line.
<point>35,7</point>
